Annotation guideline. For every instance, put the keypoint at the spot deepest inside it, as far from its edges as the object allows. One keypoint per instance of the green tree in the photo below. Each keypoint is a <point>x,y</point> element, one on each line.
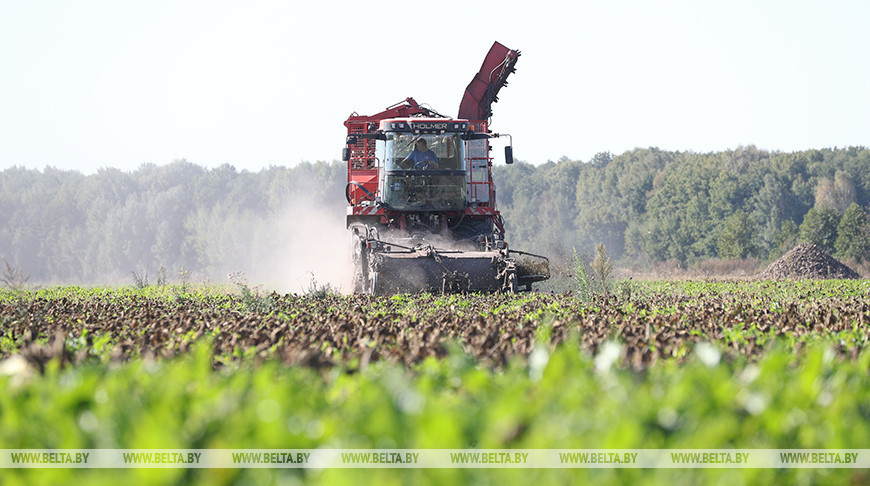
<point>837,194</point>
<point>735,240</point>
<point>853,234</point>
<point>820,228</point>
<point>770,206</point>
<point>786,239</point>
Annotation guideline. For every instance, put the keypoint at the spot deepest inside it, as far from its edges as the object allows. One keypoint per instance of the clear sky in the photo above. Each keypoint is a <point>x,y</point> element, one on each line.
<point>88,84</point>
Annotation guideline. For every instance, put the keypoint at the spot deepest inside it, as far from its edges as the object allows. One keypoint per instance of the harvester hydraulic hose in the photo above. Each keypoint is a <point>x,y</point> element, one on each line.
<point>461,219</point>
<point>357,184</point>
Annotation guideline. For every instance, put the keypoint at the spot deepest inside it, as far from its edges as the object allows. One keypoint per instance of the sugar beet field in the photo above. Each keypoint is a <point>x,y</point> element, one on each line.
<point>652,365</point>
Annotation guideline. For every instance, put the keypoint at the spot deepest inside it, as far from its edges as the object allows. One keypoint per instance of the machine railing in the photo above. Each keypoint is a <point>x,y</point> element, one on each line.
<point>479,166</point>
<point>362,166</point>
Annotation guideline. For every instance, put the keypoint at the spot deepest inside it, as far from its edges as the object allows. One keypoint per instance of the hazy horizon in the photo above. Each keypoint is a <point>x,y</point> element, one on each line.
<point>104,84</point>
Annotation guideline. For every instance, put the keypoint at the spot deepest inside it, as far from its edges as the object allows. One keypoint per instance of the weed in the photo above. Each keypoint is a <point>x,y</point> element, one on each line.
<point>624,289</point>
<point>251,299</point>
<point>581,276</point>
<point>140,279</point>
<point>162,280</point>
<point>602,266</point>
<point>184,276</point>
<point>318,291</point>
<point>13,277</point>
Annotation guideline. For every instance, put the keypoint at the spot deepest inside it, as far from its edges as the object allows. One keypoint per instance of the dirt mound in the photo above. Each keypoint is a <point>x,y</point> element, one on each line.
<point>807,261</point>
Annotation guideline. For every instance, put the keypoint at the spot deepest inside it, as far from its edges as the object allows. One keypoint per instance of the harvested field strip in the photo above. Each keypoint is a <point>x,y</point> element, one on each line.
<point>657,321</point>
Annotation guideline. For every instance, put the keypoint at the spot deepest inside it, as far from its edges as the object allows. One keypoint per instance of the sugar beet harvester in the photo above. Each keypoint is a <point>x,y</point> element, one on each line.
<point>422,206</point>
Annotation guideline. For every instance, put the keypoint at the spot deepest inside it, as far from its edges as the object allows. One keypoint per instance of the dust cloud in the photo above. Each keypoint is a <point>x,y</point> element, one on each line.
<point>308,249</point>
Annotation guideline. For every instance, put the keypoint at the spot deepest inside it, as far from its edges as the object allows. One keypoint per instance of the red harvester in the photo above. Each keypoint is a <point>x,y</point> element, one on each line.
<point>422,204</point>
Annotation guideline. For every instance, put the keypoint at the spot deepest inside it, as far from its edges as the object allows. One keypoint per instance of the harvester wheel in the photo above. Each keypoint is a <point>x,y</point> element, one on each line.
<point>512,285</point>
<point>373,283</point>
<point>360,263</point>
<point>359,284</point>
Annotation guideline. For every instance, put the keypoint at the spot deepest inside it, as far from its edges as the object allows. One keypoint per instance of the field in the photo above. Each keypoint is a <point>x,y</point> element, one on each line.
<point>746,365</point>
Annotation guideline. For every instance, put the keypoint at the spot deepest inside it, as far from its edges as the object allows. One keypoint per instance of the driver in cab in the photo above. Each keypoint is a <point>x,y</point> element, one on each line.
<point>422,158</point>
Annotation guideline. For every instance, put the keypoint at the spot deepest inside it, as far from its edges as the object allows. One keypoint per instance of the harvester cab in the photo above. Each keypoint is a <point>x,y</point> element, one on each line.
<point>422,210</point>
<point>424,165</point>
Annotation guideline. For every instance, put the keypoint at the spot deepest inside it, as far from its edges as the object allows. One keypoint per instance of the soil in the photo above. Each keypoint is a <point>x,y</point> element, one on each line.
<point>807,261</point>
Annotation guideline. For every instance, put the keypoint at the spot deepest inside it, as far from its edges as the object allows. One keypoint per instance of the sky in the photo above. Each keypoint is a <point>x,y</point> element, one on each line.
<point>91,84</point>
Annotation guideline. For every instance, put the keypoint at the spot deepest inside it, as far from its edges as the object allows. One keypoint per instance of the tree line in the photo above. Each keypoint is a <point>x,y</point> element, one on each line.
<point>646,206</point>
<point>649,205</point>
<point>64,227</point>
